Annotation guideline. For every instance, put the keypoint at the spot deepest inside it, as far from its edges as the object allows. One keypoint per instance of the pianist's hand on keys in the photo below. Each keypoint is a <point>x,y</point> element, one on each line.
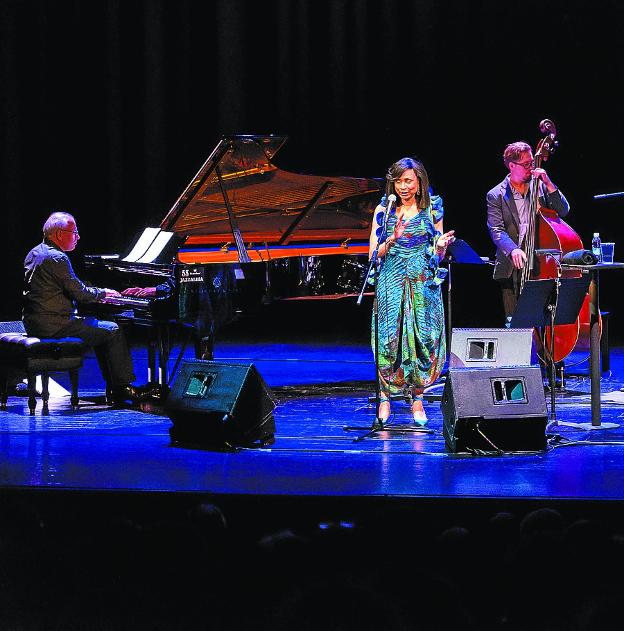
<point>141,292</point>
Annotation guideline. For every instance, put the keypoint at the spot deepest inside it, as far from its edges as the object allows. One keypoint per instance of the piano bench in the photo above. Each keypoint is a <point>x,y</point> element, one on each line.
<point>20,353</point>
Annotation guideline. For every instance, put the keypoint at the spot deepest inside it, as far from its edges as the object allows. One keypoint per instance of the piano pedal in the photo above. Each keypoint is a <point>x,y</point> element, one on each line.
<point>155,392</point>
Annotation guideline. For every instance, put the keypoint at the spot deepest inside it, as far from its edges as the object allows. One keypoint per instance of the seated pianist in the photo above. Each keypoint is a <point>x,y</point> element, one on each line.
<point>51,293</point>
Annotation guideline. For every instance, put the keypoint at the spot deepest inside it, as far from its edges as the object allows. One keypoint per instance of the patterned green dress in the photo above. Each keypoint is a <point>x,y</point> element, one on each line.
<point>412,343</point>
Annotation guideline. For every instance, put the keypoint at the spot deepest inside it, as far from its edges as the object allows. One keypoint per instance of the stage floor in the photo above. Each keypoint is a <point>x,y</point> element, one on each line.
<point>321,388</point>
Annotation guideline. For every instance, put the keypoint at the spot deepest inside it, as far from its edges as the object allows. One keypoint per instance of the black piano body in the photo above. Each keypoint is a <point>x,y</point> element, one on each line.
<point>195,299</point>
<point>243,233</point>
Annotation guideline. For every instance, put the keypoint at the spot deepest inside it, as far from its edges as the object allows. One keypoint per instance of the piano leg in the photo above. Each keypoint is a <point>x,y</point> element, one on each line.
<point>163,355</point>
<point>204,347</point>
<point>159,352</point>
<point>151,359</point>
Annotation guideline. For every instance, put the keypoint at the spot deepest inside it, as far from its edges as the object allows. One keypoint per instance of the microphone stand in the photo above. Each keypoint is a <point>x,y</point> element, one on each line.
<point>374,266</point>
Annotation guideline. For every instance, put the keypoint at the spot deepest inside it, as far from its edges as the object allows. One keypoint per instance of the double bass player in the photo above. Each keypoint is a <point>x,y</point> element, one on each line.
<point>508,216</point>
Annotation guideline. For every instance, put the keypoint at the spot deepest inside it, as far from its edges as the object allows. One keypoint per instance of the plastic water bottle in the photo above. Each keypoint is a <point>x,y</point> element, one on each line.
<point>596,246</point>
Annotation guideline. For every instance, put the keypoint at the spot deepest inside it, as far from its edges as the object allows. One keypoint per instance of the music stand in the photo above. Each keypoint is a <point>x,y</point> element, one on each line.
<point>460,252</point>
<point>546,303</point>
<point>457,252</point>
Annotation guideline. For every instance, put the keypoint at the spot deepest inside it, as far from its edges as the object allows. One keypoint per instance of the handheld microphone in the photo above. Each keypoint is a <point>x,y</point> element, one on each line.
<point>383,227</point>
<point>391,202</point>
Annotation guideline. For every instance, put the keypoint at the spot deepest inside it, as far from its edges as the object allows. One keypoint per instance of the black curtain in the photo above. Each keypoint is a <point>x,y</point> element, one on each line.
<point>110,106</point>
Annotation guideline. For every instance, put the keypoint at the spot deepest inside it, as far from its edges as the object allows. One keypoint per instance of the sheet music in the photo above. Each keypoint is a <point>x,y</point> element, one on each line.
<point>157,246</point>
<point>142,245</point>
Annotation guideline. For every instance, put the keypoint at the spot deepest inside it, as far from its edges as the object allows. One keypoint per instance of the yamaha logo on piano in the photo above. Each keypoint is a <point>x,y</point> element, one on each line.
<point>192,274</point>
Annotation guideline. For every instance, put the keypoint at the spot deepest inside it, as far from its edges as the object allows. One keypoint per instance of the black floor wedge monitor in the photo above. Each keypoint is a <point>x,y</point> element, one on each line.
<point>494,410</point>
<point>220,404</point>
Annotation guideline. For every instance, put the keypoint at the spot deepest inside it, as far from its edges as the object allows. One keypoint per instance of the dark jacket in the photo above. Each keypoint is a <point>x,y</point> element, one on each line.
<point>504,223</point>
<point>51,290</point>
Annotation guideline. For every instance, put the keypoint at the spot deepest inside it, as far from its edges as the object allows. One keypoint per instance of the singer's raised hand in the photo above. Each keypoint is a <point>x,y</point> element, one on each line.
<point>399,227</point>
<point>444,241</point>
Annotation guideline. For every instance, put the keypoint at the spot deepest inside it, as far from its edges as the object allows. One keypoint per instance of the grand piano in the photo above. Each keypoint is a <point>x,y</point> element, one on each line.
<point>242,233</point>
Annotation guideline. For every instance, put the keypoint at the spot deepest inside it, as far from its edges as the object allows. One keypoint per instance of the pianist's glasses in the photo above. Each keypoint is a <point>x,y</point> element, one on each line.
<point>72,231</point>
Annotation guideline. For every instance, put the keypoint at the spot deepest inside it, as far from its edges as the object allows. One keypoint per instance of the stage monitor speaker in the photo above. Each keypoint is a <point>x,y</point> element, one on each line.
<point>220,404</point>
<point>494,409</point>
<point>489,348</point>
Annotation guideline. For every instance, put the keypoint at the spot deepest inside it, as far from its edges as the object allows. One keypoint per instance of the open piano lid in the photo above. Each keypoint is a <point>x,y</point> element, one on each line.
<point>270,206</point>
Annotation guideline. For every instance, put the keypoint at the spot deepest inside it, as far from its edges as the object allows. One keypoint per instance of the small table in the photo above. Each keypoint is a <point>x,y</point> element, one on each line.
<point>594,339</point>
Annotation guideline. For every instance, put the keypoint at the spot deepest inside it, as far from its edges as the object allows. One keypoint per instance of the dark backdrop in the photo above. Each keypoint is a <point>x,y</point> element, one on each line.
<point>110,106</point>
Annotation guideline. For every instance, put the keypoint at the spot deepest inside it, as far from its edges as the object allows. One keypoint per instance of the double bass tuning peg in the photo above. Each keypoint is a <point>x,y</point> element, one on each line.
<point>549,147</point>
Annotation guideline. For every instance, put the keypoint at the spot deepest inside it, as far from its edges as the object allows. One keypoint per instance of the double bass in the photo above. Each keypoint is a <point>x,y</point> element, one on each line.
<point>546,232</point>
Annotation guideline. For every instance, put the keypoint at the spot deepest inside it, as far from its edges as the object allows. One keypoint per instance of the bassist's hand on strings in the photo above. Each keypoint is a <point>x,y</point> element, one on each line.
<point>518,258</point>
<point>540,174</point>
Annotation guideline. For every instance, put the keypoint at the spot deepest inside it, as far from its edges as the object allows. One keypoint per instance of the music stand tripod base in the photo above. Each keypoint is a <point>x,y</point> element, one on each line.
<point>589,426</point>
<point>385,426</point>
<point>399,429</point>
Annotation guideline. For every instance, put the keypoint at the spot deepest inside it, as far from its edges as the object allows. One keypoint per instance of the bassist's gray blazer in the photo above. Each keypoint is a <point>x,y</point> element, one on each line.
<point>504,223</point>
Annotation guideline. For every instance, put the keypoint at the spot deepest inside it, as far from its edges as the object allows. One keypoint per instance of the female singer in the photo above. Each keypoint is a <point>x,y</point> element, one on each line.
<point>410,309</point>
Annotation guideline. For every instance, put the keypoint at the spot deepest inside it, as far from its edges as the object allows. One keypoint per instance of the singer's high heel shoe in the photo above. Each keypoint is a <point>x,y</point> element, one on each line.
<point>418,413</point>
<point>383,414</point>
